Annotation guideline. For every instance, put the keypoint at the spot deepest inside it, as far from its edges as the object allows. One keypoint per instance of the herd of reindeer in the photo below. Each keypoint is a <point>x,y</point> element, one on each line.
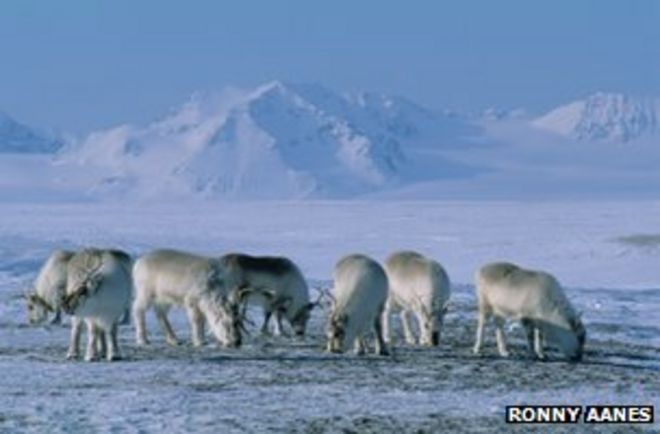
<point>99,287</point>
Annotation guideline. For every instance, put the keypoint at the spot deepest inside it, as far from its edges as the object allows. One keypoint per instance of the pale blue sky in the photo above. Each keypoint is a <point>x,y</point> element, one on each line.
<point>86,64</point>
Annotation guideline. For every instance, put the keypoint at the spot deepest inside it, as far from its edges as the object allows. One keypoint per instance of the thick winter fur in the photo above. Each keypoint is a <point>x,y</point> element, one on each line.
<point>360,292</point>
<point>276,283</point>
<point>49,288</point>
<point>420,286</point>
<point>165,278</point>
<point>98,292</point>
<point>535,298</point>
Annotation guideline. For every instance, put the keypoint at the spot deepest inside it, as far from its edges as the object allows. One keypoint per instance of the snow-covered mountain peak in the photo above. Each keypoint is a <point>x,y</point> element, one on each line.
<point>276,140</point>
<point>603,117</point>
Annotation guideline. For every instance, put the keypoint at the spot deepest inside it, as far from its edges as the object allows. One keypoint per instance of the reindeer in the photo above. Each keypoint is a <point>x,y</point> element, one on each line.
<point>274,282</point>
<point>49,289</point>
<point>360,292</point>
<point>98,291</point>
<point>164,278</point>
<point>420,285</point>
<point>536,298</point>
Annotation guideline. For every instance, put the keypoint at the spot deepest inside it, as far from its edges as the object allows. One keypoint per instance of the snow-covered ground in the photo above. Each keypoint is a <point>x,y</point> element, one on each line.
<point>605,253</point>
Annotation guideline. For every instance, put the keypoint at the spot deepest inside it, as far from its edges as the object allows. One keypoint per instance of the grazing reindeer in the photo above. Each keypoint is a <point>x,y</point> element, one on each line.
<point>274,282</point>
<point>420,285</point>
<point>169,277</point>
<point>98,291</point>
<point>49,289</point>
<point>535,298</point>
<point>360,292</point>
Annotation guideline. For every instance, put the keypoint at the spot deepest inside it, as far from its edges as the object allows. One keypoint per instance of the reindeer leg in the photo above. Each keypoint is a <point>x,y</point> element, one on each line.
<point>359,346</point>
<point>279,329</point>
<point>381,347</point>
<point>196,320</point>
<point>481,322</point>
<point>91,354</point>
<point>170,337</point>
<point>385,321</point>
<point>424,338</point>
<point>538,343</point>
<point>113,347</point>
<point>57,319</point>
<point>264,327</point>
<point>125,317</point>
<point>499,335</point>
<point>139,309</point>
<point>407,331</point>
<point>100,341</point>
<point>74,340</point>
<point>435,336</point>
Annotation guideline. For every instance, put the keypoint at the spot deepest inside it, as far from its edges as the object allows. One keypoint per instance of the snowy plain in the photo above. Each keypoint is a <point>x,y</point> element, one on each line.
<point>605,253</point>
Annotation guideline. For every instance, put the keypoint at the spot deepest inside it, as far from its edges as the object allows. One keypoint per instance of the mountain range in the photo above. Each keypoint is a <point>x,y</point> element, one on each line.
<point>283,140</point>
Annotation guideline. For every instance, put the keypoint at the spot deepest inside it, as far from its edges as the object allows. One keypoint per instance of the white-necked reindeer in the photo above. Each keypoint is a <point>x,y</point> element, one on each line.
<point>49,289</point>
<point>418,285</point>
<point>360,292</point>
<point>536,298</point>
<point>98,292</point>
<point>274,282</point>
<point>164,278</point>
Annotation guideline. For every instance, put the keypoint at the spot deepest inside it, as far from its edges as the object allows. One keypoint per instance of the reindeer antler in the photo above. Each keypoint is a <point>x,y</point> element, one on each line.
<point>324,293</point>
<point>87,272</point>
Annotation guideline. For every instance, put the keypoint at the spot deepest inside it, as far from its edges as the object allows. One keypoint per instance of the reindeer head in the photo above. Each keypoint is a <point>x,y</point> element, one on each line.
<point>224,318</point>
<point>568,335</point>
<point>581,336</point>
<point>337,333</point>
<point>431,324</point>
<point>300,319</point>
<point>37,308</point>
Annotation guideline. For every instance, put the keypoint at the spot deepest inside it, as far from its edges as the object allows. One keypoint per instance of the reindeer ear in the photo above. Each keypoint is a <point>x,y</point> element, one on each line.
<point>325,294</point>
